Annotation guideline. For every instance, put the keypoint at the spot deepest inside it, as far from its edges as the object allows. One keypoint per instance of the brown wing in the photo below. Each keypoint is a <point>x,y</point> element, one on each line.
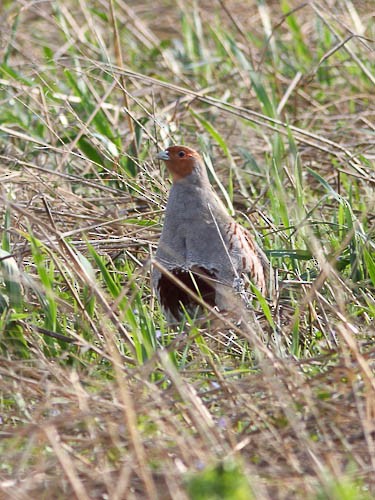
<point>261,265</point>
<point>253,261</point>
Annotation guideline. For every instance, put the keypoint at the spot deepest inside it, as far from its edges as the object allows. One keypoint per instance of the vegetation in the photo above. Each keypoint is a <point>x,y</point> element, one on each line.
<point>99,397</point>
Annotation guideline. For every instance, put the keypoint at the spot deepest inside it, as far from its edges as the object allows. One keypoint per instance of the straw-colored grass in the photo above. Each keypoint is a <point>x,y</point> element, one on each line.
<point>99,397</point>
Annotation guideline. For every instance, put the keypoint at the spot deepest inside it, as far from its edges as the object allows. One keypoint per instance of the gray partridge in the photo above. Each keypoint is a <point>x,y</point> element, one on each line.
<point>201,244</point>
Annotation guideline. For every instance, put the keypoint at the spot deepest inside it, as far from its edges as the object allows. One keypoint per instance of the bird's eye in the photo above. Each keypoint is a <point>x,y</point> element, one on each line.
<point>181,154</point>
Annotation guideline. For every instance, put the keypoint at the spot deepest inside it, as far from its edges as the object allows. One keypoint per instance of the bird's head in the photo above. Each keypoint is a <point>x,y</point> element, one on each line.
<point>182,162</point>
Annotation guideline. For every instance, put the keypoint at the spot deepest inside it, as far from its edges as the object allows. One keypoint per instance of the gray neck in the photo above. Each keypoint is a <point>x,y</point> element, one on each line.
<point>198,177</point>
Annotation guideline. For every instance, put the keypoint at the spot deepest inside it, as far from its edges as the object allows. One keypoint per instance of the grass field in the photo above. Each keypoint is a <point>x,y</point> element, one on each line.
<point>99,397</point>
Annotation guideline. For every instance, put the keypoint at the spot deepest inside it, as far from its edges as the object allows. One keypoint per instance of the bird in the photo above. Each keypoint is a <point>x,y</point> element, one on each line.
<point>201,246</point>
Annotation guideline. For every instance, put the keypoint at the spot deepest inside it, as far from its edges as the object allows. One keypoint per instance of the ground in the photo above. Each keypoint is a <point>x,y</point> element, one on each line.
<point>99,396</point>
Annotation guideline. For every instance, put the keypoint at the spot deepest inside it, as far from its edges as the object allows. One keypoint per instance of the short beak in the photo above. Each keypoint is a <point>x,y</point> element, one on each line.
<point>163,155</point>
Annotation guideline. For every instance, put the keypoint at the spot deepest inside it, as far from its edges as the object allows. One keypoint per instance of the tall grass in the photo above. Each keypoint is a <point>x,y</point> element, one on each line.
<point>99,395</point>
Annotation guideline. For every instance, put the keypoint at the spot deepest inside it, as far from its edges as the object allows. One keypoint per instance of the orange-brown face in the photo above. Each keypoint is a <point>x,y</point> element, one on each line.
<point>179,160</point>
